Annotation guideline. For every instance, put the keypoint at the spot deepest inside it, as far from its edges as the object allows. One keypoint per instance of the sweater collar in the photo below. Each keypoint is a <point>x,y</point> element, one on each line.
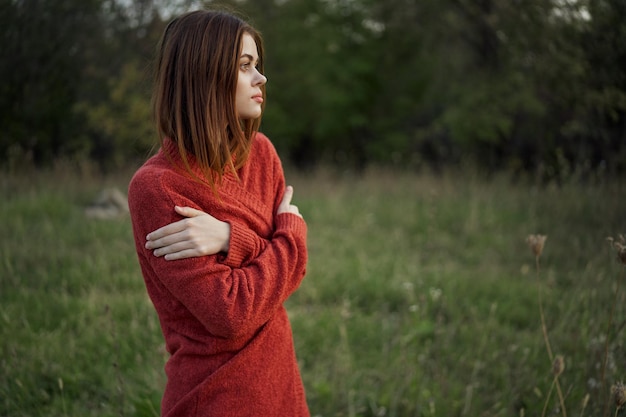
<point>170,150</point>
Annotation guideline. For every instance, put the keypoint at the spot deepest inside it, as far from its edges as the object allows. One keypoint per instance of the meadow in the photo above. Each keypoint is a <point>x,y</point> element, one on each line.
<point>422,297</point>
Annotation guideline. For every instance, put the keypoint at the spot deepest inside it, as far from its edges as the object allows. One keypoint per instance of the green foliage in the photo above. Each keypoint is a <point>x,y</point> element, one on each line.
<point>421,298</point>
<point>125,119</point>
<point>408,82</point>
<point>512,86</point>
<point>40,62</point>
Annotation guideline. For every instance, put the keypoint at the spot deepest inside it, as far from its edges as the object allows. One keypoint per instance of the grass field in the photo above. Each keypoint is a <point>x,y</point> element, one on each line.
<point>422,298</point>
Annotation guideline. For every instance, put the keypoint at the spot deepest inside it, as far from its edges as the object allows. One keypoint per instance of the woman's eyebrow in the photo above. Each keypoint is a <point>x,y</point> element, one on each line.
<point>250,57</point>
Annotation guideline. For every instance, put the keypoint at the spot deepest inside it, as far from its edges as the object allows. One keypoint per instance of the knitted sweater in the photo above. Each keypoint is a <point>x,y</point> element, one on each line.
<point>222,316</point>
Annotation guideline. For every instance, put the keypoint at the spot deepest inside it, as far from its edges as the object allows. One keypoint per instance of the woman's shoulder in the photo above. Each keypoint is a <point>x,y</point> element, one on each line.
<point>156,176</point>
<point>263,143</point>
<point>152,169</point>
<point>263,151</point>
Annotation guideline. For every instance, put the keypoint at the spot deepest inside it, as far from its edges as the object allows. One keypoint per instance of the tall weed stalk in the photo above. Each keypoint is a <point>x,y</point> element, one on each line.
<point>618,390</point>
<point>536,243</point>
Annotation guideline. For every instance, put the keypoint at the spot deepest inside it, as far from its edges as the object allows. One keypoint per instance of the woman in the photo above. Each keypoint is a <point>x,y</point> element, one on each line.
<point>219,286</point>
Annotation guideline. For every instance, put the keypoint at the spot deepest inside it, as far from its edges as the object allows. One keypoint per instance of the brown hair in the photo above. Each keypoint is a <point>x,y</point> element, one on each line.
<point>194,92</point>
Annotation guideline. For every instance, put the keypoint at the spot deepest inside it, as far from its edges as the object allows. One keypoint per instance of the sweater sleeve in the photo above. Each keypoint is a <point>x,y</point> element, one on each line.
<point>229,299</point>
<point>244,245</point>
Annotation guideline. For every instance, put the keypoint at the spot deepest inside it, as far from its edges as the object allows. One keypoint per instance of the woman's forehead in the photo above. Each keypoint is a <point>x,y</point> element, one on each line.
<point>248,46</point>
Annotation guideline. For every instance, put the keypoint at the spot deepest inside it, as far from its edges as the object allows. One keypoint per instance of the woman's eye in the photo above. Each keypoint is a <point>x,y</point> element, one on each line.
<point>245,66</point>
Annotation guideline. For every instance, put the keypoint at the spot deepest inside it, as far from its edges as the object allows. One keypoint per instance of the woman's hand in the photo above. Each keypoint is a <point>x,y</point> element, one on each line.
<point>200,234</point>
<point>285,205</point>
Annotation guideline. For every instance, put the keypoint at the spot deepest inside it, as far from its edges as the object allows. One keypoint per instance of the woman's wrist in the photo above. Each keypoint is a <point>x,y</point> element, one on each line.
<point>226,233</point>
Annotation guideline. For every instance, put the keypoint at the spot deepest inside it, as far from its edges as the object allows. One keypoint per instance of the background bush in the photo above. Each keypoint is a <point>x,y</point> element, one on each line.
<point>526,86</point>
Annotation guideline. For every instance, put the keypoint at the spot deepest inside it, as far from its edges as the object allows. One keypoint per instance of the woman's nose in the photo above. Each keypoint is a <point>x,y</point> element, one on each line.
<point>260,79</point>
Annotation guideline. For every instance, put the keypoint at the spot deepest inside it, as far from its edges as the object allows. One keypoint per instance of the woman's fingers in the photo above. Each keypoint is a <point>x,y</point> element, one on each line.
<point>285,205</point>
<point>288,195</point>
<point>172,248</point>
<point>187,253</point>
<point>168,234</point>
<point>198,234</point>
<point>168,230</point>
<point>189,212</point>
<point>168,239</point>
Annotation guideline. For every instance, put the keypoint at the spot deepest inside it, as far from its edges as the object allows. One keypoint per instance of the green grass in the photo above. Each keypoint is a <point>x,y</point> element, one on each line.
<point>421,298</point>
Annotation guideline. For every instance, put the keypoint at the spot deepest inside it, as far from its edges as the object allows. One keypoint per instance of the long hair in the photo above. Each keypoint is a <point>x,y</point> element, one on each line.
<point>194,92</point>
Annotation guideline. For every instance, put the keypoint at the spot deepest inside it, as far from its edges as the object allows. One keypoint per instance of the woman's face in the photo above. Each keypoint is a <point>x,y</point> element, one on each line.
<point>248,98</point>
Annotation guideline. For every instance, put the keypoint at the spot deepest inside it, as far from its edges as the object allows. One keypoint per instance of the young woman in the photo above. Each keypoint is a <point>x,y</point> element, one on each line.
<point>219,286</point>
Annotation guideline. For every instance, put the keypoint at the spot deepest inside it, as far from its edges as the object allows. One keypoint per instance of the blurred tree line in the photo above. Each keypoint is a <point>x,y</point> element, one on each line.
<point>505,84</point>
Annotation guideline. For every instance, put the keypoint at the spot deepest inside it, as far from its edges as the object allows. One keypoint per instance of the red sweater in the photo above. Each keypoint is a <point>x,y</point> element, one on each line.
<point>222,316</point>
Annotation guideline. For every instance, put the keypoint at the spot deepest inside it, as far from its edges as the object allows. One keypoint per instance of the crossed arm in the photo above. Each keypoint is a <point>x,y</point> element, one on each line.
<point>200,234</point>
